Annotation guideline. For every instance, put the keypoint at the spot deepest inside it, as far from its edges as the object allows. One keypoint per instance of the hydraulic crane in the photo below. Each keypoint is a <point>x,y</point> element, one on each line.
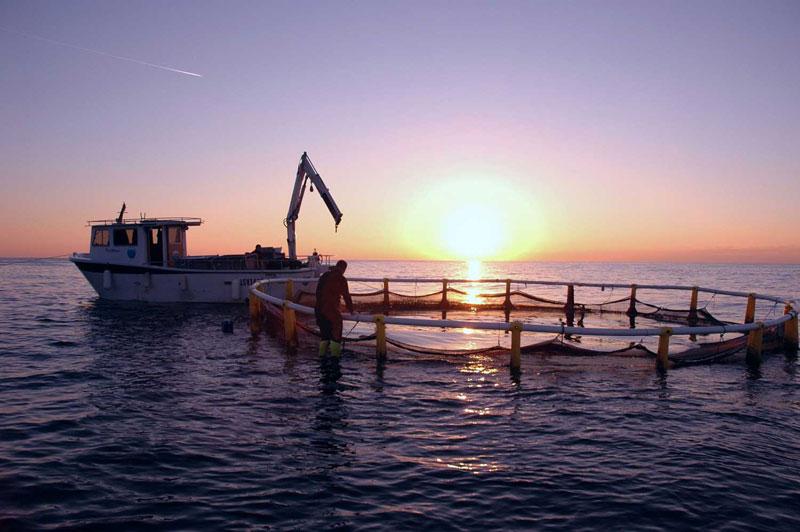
<point>306,172</point>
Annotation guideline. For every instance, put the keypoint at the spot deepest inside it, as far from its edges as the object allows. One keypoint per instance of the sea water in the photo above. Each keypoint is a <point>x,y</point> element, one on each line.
<point>150,417</point>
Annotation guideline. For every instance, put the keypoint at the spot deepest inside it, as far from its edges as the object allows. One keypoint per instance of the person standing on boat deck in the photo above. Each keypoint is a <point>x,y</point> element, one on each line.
<point>332,286</point>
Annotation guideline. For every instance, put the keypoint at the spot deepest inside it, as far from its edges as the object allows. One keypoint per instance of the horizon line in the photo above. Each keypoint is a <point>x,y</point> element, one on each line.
<point>484,261</point>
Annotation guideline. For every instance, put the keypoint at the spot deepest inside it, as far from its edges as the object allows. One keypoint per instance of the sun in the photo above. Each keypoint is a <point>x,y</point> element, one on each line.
<point>472,231</point>
<point>478,215</point>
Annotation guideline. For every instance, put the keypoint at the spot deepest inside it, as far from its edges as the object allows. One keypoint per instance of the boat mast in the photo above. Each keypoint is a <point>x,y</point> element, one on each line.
<point>121,213</point>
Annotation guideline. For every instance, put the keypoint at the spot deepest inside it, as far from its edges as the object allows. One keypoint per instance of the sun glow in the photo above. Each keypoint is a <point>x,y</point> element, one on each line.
<point>472,231</point>
<point>469,216</point>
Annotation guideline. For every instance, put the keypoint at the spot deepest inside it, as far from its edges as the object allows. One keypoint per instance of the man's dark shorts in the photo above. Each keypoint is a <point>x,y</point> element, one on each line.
<point>330,325</point>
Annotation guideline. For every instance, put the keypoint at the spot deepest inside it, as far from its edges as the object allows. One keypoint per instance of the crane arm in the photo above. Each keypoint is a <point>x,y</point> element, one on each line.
<point>306,172</point>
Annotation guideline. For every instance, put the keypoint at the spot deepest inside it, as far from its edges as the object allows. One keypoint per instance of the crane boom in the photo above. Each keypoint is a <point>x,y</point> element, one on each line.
<point>306,172</point>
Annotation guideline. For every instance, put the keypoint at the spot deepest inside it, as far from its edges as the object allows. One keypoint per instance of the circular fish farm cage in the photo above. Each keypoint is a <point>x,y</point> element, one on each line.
<point>672,325</point>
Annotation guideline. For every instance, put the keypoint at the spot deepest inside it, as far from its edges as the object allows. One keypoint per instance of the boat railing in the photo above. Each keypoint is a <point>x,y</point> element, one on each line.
<point>148,221</point>
<point>247,261</point>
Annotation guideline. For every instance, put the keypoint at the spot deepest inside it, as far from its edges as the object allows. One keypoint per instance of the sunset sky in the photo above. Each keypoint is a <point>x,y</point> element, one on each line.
<point>496,130</point>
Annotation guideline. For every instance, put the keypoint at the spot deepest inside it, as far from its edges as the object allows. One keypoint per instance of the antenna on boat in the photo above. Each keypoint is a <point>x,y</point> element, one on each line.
<point>121,213</point>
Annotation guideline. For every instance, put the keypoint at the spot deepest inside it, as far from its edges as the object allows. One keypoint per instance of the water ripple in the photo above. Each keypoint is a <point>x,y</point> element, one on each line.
<point>150,418</point>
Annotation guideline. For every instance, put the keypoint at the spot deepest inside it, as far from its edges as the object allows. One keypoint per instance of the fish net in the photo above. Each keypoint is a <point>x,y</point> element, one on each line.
<point>568,306</point>
<point>454,299</point>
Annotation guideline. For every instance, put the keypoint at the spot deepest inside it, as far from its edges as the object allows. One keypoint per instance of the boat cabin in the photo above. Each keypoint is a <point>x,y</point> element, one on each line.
<point>146,241</point>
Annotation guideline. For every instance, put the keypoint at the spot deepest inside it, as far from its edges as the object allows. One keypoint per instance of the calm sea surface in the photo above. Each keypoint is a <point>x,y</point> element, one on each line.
<point>149,417</point>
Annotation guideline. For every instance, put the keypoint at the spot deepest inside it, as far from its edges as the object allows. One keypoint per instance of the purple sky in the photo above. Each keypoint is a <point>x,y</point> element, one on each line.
<point>681,117</point>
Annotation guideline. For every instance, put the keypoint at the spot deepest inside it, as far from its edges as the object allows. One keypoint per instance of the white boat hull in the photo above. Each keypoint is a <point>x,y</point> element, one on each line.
<point>173,285</point>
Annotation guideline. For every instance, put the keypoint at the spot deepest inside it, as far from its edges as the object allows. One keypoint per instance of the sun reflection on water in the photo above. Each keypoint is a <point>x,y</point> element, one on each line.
<point>471,464</point>
<point>478,365</point>
<point>478,411</point>
<point>474,270</point>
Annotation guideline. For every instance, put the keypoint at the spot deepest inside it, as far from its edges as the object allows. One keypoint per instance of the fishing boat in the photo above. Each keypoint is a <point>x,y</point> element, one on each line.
<point>146,259</point>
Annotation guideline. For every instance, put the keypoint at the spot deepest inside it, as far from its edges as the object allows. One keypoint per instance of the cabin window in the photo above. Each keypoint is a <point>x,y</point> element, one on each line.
<point>175,244</point>
<point>100,237</point>
<point>155,246</point>
<point>125,237</point>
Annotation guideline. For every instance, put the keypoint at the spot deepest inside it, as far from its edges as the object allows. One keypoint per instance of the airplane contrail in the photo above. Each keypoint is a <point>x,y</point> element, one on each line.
<point>99,52</point>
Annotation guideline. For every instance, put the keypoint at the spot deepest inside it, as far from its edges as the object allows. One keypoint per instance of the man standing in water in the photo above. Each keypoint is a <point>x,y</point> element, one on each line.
<point>331,286</point>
